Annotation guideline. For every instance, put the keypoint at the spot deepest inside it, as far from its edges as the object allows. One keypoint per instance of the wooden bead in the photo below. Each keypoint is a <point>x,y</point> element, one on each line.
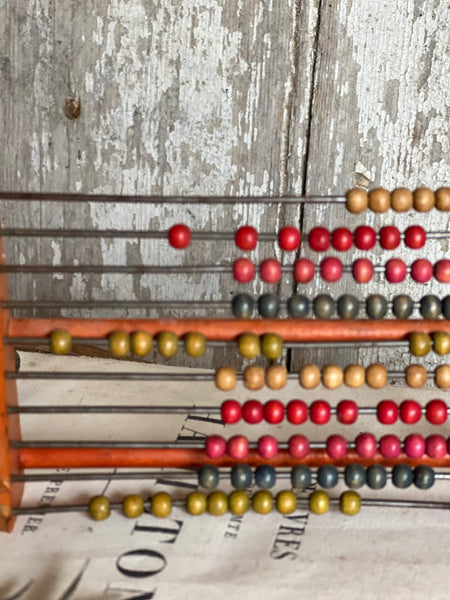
<point>332,376</point>
<point>419,343</point>
<point>357,200</point>
<point>379,200</point>
<point>161,505</point>
<point>416,376</point>
<point>217,503</point>
<point>401,199</point>
<point>249,345</point>
<point>133,506</point>
<point>119,344</point>
<point>262,502</point>
<point>350,503</point>
<point>442,198</point>
<point>254,377</point>
<point>238,502</point>
<point>286,502</point>
<point>225,378</point>
<point>276,377</point>
<point>194,344</point>
<point>442,377</point>
<point>167,344</point>
<point>423,199</point>
<point>141,343</point>
<point>354,376</point>
<point>319,502</point>
<point>271,346</point>
<point>99,508</point>
<point>441,342</point>
<point>376,376</point>
<point>60,341</point>
<point>196,503</point>
<point>309,377</point>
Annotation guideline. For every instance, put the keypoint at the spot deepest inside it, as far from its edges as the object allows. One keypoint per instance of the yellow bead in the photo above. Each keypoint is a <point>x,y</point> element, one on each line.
<point>332,376</point>
<point>60,342</point>
<point>249,345</point>
<point>99,508</point>
<point>319,502</point>
<point>286,502</point>
<point>238,502</point>
<point>194,344</point>
<point>217,503</point>
<point>167,344</point>
<point>196,503</point>
<point>271,346</point>
<point>161,505</point>
<point>253,377</point>
<point>141,343</point>
<point>276,377</point>
<point>262,502</point>
<point>225,379</point>
<point>133,506</point>
<point>119,344</point>
<point>350,503</point>
<point>419,344</point>
<point>441,342</point>
<point>357,200</point>
<point>309,377</point>
<point>354,376</point>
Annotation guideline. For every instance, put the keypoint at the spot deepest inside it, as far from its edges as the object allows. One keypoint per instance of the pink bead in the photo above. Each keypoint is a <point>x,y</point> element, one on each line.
<point>421,270</point>
<point>362,270</point>
<point>215,446</point>
<point>435,446</point>
<point>289,238</point>
<point>341,239</point>
<point>298,446</point>
<point>410,411</point>
<point>365,237</point>
<point>395,270</point>
<point>267,446</point>
<point>331,269</point>
<point>319,239</point>
<point>442,270</point>
<point>297,412</point>
<point>179,236</point>
<point>390,446</point>
<point>304,270</point>
<point>436,412</point>
<point>231,411</point>
<point>347,412</point>
<point>414,445</point>
<point>387,412</point>
<point>366,445</point>
<point>389,237</point>
<point>237,447</point>
<point>252,412</point>
<point>246,238</point>
<point>415,237</point>
<point>243,270</point>
<point>320,412</point>
<point>336,446</point>
<point>274,411</point>
<point>270,270</point>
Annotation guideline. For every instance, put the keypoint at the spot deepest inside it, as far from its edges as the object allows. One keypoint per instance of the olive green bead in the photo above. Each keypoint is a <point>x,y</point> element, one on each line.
<point>419,343</point>
<point>167,344</point>
<point>271,346</point>
<point>347,307</point>
<point>262,502</point>
<point>350,503</point>
<point>161,505</point>
<point>441,342</point>
<point>217,503</point>
<point>194,344</point>
<point>60,341</point>
<point>323,306</point>
<point>99,508</point>
<point>376,306</point>
<point>141,343</point>
<point>402,306</point>
<point>238,502</point>
<point>319,502</point>
<point>286,502</point>
<point>430,307</point>
<point>119,344</point>
<point>133,506</point>
<point>249,345</point>
<point>196,503</point>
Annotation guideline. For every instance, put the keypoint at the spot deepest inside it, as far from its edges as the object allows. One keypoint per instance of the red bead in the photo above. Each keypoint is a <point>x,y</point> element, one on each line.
<point>389,237</point>
<point>387,412</point>
<point>215,446</point>
<point>243,270</point>
<point>331,269</point>
<point>274,411</point>
<point>415,237</point>
<point>304,270</point>
<point>289,238</point>
<point>421,270</point>
<point>319,239</point>
<point>270,270</point>
<point>342,239</point>
<point>179,236</point>
<point>246,238</point>
<point>362,270</point>
<point>237,447</point>
<point>395,270</point>
<point>297,412</point>
<point>298,446</point>
<point>390,446</point>
<point>347,412</point>
<point>410,411</point>
<point>252,412</point>
<point>231,411</point>
<point>267,446</point>
<point>365,237</point>
<point>319,412</point>
<point>442,270</point>
<point>336,446</point>
<point>366,445</point>
<point>436,446</point>
<point>414,445</point>
<point>436,412</point>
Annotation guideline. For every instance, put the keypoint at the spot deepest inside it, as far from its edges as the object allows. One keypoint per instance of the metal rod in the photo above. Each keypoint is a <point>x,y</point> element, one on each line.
<point>187,443</point>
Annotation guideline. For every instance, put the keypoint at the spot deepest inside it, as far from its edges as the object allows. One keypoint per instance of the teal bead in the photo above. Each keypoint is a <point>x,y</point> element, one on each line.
<point>327,476</point>
<point>269,306</point>
<point>208,476</point>
<point>355,476</point>
<point>376,477</point>
<point>376,306</point>
<point>402,475</point>
<point>241,477</point>
<point>424,477</point>
<point>347,307</point>
<point>298,306</point>
<point>243,306</point>
<point>265,476</point>
<point>301,477</point>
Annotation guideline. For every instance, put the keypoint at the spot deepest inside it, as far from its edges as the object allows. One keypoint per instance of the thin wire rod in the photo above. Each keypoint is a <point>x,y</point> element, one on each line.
<point>190,444</point>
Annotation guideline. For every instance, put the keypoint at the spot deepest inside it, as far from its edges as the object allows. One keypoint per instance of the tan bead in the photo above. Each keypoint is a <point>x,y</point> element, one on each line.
<point>354,376</point>
<point>309,377</point>
<point>225,378</point>
<point>60,341</point>
<point>276,377</point>
<point>249,345</point>
<point>442,377</point>
<point>133,506</point>
<point>376,376</point>
<point>416,376</point>
<point>332,376</point>
<point>119,343</point>
<point>357,200</point>
<point>423,199</point>
<point>442,198</point>
<point>254,377</point>
<point>194,344</point>
<point>161,505</point>
<point>379,200</point>
<point>167,344</point>
<point>99,508</point>
<point>141,343</point>
<point>401,199</point>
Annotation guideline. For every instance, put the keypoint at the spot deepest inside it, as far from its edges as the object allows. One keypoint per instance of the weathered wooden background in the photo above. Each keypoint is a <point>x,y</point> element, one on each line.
<point>217,97</point>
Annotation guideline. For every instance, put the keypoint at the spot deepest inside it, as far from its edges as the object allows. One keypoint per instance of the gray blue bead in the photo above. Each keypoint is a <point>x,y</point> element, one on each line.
<point>446,307</point>
<point>208,476</point>
<point>355,476</point>
<point>323,306</point>
<point>430,307</point>
<point>402,475</point>
<point>241,477</point>
<point>402,306</point>
<point>301,477</point>
<point>269,306</point>
<point>298,306</point>
<point>265,476</point>
<point>376,477</point>
<point>347,306</point>
<point>243,306</point>
<point>327,476</point>
<point>424,477</point>
<point>376,306</point>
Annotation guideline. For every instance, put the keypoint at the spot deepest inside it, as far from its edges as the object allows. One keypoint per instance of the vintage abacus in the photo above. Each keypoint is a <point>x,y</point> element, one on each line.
<point>307,464</point>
